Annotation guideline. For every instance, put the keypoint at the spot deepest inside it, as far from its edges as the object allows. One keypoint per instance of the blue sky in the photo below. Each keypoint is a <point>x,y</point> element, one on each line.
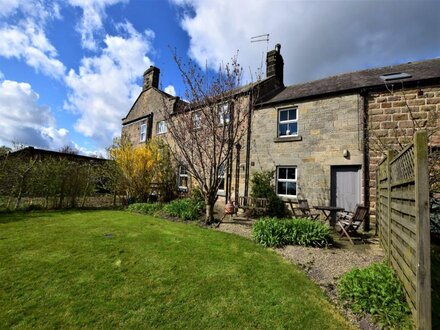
<point>70,70</point>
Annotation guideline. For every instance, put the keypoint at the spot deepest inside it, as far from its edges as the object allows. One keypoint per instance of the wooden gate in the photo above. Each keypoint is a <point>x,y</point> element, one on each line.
<point>402,213</point>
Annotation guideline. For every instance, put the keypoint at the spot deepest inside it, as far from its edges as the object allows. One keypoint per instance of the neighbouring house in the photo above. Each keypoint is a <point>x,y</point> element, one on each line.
<point>323,139</point>
<point>32,152</point>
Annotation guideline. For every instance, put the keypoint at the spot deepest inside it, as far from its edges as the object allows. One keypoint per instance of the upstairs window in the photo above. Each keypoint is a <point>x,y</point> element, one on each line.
<point>161,127</point>
<point>183,178</point>
<point>197,120</point>
<point>288,122</point>
<point>221,176</point>
<point>286,181</point>
<point>143,132</point>
<point>224,114</point>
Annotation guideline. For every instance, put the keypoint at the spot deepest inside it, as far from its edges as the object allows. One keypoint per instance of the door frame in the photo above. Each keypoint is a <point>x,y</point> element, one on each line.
<point>332,179</point>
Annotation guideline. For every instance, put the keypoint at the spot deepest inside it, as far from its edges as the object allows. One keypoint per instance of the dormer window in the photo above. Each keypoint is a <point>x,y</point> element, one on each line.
<point>287,122</point>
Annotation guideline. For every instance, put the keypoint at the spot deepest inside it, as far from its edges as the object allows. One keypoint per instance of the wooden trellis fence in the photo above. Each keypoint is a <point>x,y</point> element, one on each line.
<point>402,212</point>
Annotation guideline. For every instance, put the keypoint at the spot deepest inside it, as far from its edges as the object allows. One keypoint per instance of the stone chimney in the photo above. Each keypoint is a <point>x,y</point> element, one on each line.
<point>151,78</point>
<point>275,64</point>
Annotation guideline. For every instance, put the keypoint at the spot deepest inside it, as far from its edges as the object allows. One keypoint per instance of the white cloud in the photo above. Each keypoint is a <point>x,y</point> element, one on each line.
<point>29,43</point>
<point>91,22</point>
<point>23,34</point>
<point>318,38</point>
<point>24,120</point>
<point>8,7</point>
<point>105,86</point>
<point>170,90</point>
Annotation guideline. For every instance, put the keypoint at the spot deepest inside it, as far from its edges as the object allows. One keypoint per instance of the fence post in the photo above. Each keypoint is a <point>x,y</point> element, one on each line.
<point>423,251</point>
<point>390,155</point>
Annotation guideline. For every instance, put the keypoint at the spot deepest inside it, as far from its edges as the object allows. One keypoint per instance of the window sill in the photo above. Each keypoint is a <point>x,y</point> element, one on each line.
<point>288,198</point>
<point>288,139</point>
<point>221,193</point>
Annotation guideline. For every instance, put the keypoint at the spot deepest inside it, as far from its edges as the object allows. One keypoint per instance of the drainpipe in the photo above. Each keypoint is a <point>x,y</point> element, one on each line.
<point>237,172</point>
<point>248,146</point>
<point>366,156</point>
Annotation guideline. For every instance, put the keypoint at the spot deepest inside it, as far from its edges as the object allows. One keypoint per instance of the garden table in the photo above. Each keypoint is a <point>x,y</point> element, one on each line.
<point>329,213</point>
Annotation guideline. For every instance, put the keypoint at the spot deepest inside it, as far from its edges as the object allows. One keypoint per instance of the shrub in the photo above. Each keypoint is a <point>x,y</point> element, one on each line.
<point>185,209</point>
<point>196,195</point>
<point>261,187</point>
<point>376,290</point>
<point>275,233</point>
<point>145,208</point>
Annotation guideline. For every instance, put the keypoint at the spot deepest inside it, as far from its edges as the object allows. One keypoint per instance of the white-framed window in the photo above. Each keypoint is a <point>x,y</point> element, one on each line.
<point>221,176</point>
<point>286,181</point>
<point>197,120</point>
<point>161,127</point>
<point>183,178</point>
<point>287,122</point>
<point>224,114</point>
<point>143,132</point>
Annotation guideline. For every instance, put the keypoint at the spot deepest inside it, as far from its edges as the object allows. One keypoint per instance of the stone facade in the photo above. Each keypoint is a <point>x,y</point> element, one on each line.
<point>146,111</point>
<point>326,127</point>
<point>345,120</point>
<point>393,116</point>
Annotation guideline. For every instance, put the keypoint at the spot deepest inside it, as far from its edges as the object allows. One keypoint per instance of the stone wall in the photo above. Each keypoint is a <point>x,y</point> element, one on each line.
<point>325,127</point>
<point>149,101</point>
<point>393,116</point>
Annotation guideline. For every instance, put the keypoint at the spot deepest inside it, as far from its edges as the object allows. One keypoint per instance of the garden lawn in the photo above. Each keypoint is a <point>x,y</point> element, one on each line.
<point>106,269</point>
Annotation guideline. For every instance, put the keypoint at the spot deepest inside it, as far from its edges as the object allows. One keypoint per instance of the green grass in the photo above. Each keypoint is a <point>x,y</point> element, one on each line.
<point>58,269</point>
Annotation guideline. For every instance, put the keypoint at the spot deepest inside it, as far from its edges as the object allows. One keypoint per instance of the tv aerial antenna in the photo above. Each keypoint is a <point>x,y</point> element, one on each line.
<point>261,38</point>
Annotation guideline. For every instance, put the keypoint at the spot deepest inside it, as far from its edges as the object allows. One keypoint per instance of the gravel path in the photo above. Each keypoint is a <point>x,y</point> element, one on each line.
<point>323,266</point>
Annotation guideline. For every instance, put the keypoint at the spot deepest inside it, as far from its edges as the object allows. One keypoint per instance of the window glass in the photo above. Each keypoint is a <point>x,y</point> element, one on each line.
<point>183,178</point>
<point>143,132</point>
<point>223,111</point>
<point>161,127</point>
<point>197,120</point>
<point>287,122</point>
<point>221,175</point>
<point>286,181</point>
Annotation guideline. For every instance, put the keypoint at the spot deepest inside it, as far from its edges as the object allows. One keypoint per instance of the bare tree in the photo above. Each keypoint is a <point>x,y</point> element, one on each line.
<point>204,129</point>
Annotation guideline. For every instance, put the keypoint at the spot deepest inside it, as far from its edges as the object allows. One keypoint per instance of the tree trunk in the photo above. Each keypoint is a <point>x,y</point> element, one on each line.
<point>209,217</point>
<point>9,201</point>
<point>20,191</point>
<point>85,194</point>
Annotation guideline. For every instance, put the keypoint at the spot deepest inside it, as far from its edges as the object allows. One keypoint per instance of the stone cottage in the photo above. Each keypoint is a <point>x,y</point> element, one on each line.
<point>321,138</point>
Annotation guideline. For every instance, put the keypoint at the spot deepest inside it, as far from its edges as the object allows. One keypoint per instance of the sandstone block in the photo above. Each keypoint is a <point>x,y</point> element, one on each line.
<point>380,118</point>
<point>406,124</point>
<point>400,116</point>
<point>434,100</point>
<point>416,102</point>
<point>388,125</point>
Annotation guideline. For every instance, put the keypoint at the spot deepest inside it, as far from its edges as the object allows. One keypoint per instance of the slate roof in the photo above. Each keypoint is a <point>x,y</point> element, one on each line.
<point>370,78</point>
